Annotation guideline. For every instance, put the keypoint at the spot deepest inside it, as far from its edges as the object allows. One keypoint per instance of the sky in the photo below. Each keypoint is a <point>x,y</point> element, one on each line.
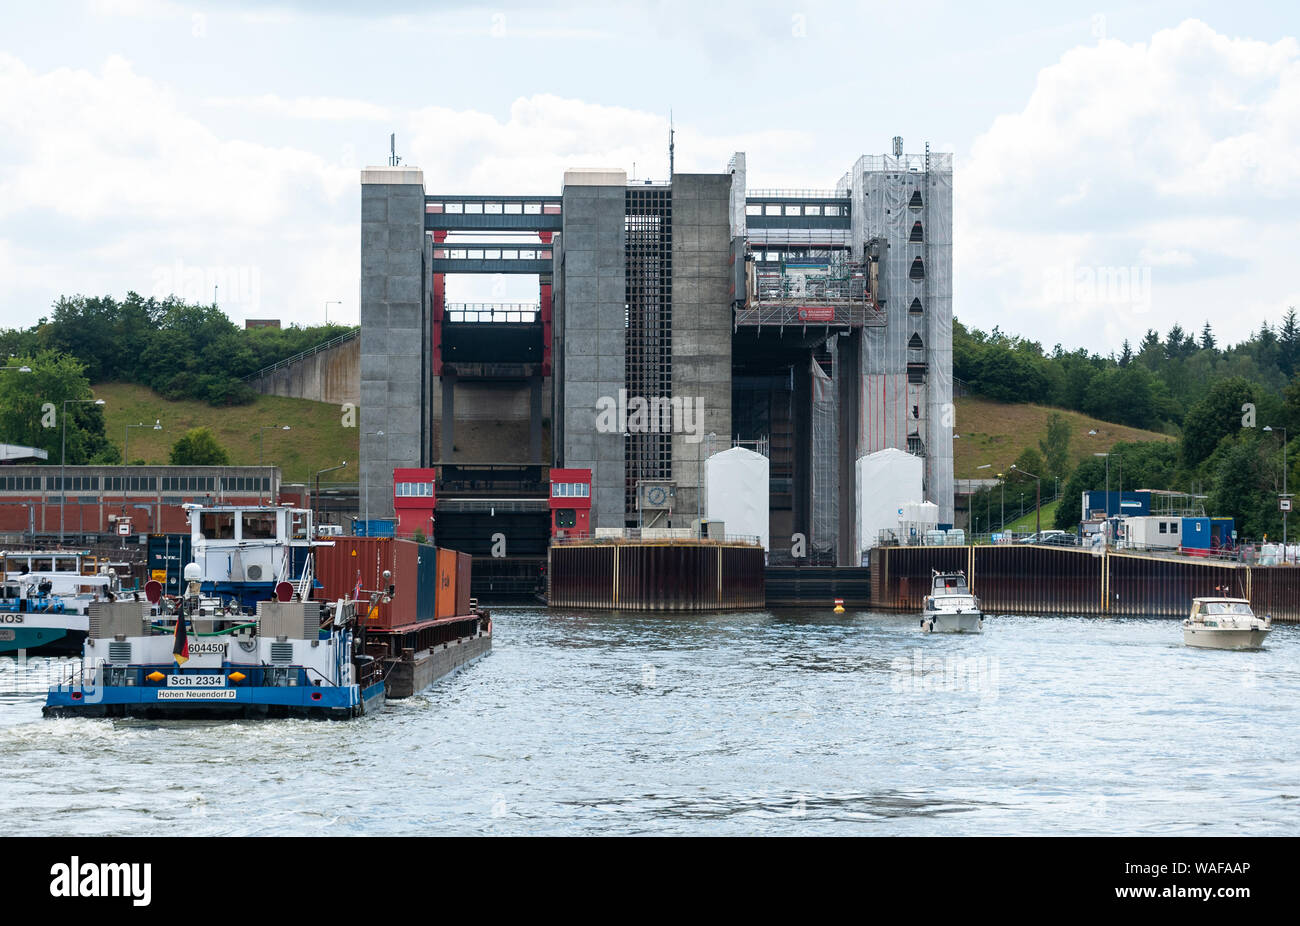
<point>1116,169</point>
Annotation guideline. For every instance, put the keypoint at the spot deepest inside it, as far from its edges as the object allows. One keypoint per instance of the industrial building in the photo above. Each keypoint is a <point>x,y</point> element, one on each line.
<point>674,320</point>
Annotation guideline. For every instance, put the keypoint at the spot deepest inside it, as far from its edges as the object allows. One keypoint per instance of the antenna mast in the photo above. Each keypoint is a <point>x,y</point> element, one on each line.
<point>671,132</point>
<point>393,159</point>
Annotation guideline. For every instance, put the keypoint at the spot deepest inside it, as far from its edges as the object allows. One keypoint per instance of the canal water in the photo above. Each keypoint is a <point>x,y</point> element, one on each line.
<point>785,723</point>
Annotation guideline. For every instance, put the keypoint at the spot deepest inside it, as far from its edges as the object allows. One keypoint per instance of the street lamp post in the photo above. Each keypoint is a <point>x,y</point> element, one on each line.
<point>126,443</point>
<point>1108,527</point>
<point>63,457</point>
<point>260,443</point>
<point>1284,492</point>
<point>317,493</point>
<point>1038,501</point>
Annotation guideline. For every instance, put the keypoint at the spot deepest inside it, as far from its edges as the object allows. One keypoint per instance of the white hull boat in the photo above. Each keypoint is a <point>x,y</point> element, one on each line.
<point>951,607</point>
<point>1225,623</point>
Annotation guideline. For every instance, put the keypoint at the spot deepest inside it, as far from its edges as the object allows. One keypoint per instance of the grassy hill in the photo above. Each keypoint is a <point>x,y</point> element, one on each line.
<point>316,439</point>
<point>998,432</point>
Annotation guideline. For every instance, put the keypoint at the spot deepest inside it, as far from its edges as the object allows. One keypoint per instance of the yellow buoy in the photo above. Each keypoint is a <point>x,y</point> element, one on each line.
<point>839,605</point>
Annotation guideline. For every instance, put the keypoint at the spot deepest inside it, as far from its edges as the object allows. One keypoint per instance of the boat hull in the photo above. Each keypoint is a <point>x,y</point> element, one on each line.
<point>952,622</point>
<point>41,641</point>
<point>308,702</point>
<point>1224,638</point>
<point>406,677</point>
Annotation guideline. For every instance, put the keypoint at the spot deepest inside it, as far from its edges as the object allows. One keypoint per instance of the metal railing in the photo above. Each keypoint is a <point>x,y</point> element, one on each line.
<point>651,535</point>
<point>326,345</point>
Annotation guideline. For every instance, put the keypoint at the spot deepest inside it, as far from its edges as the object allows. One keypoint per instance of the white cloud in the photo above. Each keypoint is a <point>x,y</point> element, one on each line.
<point>322,108</point>
<point>1174,157</point>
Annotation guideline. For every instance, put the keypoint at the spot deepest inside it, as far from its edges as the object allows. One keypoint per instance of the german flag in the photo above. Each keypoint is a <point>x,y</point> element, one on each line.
<point>181,645</point>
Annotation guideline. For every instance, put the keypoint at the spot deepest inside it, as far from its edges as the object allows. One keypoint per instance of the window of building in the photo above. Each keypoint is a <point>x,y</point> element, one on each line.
<point>1164,528</point>
<point>753,209</point>
<point>915,201</point>
<point>914,343</point>
<point>1173,527</point>
<point>916,372</point>
<point>916,232</point>
<point>915,308</point>
<point>772,209</point>
<point>918,270</point>
<point>831,210</point>
<point>794,210</point>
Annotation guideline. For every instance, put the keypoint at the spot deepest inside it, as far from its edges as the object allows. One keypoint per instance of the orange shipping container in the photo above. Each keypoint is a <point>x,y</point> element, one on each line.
<point>446,606</point>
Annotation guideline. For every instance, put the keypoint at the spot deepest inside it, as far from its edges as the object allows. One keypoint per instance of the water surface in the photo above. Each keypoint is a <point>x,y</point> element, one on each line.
<point>766,722</point>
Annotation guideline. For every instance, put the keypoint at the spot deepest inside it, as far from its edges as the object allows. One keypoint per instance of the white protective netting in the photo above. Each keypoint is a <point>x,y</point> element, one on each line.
<point>825,465</point>
<point>903,212</point>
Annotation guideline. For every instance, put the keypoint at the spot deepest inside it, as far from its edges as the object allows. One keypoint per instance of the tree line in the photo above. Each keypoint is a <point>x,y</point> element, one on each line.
<point>1227,408</point>
<point>178,350</point>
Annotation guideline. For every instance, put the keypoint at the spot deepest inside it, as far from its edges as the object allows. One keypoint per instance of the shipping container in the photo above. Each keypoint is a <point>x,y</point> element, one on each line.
<point>375,527</point>
<point>446,583</point>
<point>351,558</point>
<point>168,556</point>
<point>464,576</point>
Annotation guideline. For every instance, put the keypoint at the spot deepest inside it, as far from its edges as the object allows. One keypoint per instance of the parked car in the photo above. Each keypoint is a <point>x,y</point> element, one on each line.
<point>1059,538</point>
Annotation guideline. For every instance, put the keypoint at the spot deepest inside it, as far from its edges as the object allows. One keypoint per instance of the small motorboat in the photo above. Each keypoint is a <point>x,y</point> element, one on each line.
<point>951,607</point>
<point>1225,623</point>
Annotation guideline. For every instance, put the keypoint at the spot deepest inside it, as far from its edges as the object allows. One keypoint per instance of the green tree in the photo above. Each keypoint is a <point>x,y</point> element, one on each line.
<point>1214,417</point>
<point>1089,475</point>
<point>1055,446</point>
<point>32,406</point>
<point>198,447</point>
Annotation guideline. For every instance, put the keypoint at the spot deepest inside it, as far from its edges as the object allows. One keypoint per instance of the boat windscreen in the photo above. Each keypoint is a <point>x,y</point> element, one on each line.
<point>1227,607</point>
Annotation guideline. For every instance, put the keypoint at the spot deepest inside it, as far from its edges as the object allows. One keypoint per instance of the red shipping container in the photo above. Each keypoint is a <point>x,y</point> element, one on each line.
<point>464,572</point>
<point>351,558</point>
<point>446,605</point>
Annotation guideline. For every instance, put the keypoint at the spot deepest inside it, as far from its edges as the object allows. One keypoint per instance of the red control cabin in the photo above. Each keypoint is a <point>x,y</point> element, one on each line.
<point>570,503</point>
<point>413,501</point>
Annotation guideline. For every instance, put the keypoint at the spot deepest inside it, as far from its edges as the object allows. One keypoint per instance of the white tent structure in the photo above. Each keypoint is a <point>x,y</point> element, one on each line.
<point>737,492</point>
<point>887,480</point>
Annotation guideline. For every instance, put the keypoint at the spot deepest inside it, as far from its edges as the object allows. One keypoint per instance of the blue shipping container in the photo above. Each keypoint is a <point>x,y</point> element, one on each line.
<point>375,527</point>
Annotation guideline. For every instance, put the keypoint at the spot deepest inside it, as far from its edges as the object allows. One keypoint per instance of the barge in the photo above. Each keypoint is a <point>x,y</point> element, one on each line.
<point>345,626</point>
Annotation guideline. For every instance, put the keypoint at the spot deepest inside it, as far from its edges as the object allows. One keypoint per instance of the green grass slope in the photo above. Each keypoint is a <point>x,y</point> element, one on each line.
<point>316,439</point>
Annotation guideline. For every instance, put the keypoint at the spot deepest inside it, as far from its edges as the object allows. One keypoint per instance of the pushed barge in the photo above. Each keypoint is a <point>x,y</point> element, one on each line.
<point>306,650</point>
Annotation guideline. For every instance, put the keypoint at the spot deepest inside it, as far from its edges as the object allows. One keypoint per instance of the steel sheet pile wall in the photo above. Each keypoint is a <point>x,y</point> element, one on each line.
<point>1158,587</point>
<point>656,577</point>
<point>1021,579</point>
<point>900,576</point>
<point>581,577</point>
<point>1046,580</point>
<point>744,578</point>
<point>1275,590</point>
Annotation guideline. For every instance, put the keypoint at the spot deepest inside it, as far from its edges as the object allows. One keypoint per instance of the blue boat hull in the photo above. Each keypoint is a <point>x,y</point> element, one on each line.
<point>310,702</point>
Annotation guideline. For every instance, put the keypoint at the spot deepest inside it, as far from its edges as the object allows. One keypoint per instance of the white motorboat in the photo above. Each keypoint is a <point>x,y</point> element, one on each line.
<point>1225,623</point>
<point>951,607</point>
